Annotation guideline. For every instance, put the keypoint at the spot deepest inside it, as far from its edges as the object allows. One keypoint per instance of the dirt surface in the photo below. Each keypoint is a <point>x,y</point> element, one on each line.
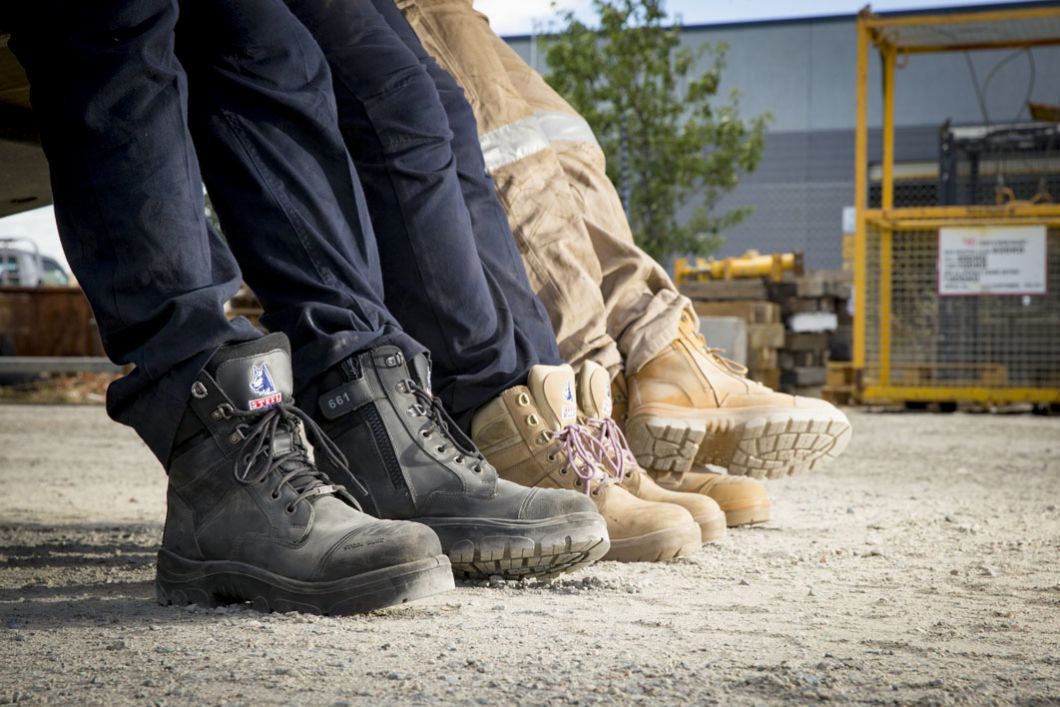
<point>921,567</point>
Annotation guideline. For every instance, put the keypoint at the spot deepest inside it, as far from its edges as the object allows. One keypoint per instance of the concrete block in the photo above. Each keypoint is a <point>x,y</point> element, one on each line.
<point>729,333</point>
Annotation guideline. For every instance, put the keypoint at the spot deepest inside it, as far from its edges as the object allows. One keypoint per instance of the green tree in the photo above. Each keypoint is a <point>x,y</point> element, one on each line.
<point>653,106</point>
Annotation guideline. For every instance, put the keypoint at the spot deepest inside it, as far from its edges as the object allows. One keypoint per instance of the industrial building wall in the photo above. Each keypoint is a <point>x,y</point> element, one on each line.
<point>803,73</point>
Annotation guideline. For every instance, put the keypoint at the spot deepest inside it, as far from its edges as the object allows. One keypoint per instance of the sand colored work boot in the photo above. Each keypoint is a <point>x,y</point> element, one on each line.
<point>594,401</point>
<point>530,434</point>
<point>251,518</point>
<point>744,500</point>
<point>688,405</point>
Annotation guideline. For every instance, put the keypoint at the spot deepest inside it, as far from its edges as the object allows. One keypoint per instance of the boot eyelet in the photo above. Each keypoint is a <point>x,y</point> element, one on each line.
<point>564,471</point>
<point>542,438</point>
<point>532,420</point>
<point>402,388</point>
<point>477,469</point>
<point>198,390</point>
<point>275,495</point>
<point>440,449</point>
<point>594,492</point>
<point>425,433</point>
<point>523,399</point>
<point>289,509</point>
<point>552,458</point>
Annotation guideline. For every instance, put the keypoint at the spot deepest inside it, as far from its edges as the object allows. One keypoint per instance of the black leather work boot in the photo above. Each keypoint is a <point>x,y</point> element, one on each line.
<point>251,518</point>
<point>417,465</point>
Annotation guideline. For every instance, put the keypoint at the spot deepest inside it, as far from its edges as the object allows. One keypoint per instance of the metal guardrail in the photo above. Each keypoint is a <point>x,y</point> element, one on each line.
<point>57,364</point>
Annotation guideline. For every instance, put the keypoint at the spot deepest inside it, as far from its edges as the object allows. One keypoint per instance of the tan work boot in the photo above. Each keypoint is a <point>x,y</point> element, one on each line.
<point>594,401</point>
<point>530,435</point>
<point>688,405</point>
<point>743,499</point>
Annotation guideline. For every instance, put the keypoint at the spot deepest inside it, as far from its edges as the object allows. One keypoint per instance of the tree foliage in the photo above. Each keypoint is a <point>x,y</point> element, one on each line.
<point>641,90</point>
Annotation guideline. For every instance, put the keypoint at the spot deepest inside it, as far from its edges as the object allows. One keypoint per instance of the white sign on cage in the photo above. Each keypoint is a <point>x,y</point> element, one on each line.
<point>992,260</point>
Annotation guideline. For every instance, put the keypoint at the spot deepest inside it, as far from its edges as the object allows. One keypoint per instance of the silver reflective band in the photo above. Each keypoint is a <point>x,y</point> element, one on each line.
<point>511,143</point>
<point>565,126</point>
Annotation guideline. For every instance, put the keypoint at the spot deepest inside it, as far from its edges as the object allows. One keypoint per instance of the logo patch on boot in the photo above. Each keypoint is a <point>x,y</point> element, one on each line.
<point>261,384</point>
<point>570,408</point>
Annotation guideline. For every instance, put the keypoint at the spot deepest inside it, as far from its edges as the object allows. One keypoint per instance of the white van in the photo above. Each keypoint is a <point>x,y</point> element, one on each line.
<point>20,267</point>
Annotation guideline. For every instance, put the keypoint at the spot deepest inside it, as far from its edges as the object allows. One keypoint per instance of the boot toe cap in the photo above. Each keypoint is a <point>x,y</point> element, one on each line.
<point>379,545</point>
<point>542,503</point>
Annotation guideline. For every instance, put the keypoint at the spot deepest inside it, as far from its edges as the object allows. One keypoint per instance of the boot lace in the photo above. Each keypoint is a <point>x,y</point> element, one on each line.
<point>619,456</point>
<point>715,353</point>
<point>585,454</point>
<point>438,420</point>
<point>257,458</point>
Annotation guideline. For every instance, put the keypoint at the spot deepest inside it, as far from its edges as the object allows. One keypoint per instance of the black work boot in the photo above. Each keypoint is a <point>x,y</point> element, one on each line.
<point>251,518</point>
<point>417,465</point>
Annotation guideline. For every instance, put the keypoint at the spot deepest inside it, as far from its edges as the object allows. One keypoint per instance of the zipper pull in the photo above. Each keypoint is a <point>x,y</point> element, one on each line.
<point>351,369</point>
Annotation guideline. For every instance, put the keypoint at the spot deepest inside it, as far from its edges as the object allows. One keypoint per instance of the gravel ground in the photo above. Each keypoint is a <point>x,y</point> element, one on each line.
<point>921,567</point>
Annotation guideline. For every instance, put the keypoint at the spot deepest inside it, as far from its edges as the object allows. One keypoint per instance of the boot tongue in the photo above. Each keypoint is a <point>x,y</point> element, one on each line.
<point>255,375</point>
<point>594,390</point>
<point>552,388</point>
<point>421,370</point>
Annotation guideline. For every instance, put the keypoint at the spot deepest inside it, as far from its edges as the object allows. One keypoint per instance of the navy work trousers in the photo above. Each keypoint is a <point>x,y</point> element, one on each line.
<point>117,110</point>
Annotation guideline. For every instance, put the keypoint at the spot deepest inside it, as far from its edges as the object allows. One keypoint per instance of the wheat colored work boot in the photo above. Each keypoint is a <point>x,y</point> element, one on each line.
<point>531,436</point>
<point>744,500</point>
<point>595,403</point>
<point>251,518</point>
<point>688,405</point>
<point>416,464</point>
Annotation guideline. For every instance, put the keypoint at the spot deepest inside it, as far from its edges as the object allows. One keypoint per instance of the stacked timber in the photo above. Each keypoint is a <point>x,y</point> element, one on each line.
<point>814,307</point>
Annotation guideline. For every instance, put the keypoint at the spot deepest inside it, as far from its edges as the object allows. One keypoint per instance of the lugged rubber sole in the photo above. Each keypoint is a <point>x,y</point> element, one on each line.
<point>180,582</point>
<point>480,548</point>
<point>757,442</point>
<point>658,545</point>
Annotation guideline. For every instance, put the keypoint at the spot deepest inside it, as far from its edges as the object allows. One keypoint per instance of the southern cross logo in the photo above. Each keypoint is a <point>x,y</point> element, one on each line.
<point>260,380</point>
<point>570,410</point>
<point>261,384</point>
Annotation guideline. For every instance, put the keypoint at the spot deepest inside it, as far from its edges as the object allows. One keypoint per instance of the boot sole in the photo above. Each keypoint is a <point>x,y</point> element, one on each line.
<point>658,545</point>
<point>180,582</point>
<point>756,442</point>
<point>479,548</point>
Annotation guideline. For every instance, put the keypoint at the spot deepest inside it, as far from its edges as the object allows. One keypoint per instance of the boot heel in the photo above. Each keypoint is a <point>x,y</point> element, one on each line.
<point>177,583</point>
<point>171,594</point>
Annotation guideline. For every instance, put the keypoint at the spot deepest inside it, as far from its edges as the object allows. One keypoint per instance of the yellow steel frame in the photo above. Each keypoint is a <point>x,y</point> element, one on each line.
<point>872,30</point>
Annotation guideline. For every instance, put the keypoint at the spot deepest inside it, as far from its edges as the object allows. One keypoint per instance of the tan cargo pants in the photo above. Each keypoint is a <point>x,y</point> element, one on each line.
<point>608,300</point>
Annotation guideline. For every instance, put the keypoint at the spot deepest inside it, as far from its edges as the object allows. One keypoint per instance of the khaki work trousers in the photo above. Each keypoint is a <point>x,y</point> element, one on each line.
<point>607,299</point>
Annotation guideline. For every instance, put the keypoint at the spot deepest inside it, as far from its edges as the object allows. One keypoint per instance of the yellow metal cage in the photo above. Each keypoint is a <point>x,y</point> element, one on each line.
<point>911,343</point>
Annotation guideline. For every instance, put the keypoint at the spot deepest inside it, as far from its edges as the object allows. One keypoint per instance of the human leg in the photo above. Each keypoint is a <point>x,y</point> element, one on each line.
<point>110,97</point>
<point>528,177</point>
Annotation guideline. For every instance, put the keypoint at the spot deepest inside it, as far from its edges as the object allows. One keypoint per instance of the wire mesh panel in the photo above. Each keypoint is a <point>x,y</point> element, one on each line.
<point>932,346</point>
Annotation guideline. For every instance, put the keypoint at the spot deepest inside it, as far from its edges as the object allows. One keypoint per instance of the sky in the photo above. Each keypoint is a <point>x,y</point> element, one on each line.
<point>527,16</point>
<point>510,17</point>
